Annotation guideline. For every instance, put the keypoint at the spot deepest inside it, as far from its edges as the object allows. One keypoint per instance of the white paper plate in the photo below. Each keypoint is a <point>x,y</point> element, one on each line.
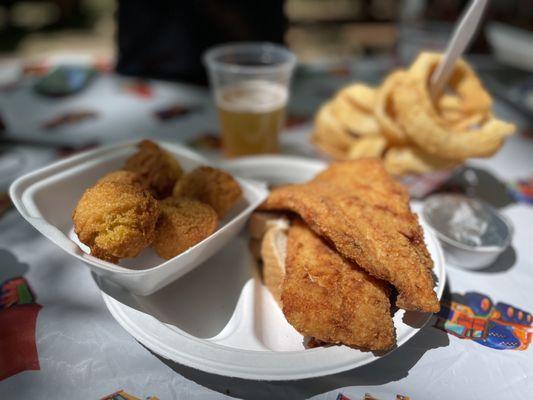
<point>220,319</point>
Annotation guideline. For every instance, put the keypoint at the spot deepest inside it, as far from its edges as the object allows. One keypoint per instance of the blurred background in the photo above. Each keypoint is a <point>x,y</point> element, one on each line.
<point>134,67</point>
<point>319,31</point>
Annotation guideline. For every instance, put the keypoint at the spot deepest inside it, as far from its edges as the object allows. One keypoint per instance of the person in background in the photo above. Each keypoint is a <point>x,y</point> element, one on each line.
<point>165,40</point>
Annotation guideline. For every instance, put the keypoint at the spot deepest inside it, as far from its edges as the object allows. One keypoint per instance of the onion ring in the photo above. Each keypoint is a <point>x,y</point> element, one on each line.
<point>367,146</point>
<point>470,95</point>
<point>411,160</point>
<point>328,129</point>
<point>361,95</point>
<point>384,110</point>
<point>357,121</point>
<point>423,126</point>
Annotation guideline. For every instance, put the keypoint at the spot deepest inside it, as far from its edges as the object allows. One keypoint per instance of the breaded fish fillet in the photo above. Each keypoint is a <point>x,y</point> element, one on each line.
<point>358,207</point>
<point>331,299</point>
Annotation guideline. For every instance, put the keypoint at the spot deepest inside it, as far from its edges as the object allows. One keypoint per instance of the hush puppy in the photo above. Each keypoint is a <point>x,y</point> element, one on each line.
<point>116,219</point>
<point>183,223</point>
<point>157,168</point>
<point>210,185</point>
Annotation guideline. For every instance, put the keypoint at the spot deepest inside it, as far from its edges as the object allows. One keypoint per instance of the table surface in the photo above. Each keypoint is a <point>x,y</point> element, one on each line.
<point>63,343</point>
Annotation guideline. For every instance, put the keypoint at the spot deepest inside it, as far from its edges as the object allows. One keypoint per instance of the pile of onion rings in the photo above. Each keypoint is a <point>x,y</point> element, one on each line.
<point>412,132</point>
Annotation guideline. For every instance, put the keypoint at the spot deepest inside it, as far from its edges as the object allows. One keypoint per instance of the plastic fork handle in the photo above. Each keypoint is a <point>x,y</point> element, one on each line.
<point>461,38</point>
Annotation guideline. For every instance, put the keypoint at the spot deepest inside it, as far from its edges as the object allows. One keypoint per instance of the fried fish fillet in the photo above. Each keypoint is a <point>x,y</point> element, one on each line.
<point>331,299</point>
<point>365,214</point>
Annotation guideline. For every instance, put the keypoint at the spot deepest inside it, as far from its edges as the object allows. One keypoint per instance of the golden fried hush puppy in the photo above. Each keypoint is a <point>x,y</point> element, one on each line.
<point>122,176</point>
<point>212,186</point>
<point>158,169</point>
<point>116,219</point>
<point>183,223</point>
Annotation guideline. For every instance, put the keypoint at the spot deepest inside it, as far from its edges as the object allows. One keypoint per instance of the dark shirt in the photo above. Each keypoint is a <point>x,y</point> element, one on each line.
<point>166,39</point>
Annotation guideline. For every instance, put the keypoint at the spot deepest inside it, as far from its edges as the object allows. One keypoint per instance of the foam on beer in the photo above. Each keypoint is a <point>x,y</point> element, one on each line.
<point>254,96</point>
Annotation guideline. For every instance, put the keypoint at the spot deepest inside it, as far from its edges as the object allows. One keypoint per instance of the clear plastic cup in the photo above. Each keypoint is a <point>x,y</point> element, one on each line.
<point>250,83</point>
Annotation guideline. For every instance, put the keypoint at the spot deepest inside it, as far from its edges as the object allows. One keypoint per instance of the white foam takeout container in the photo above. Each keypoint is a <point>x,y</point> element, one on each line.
<point>221,319</point>
<point>47,197</point>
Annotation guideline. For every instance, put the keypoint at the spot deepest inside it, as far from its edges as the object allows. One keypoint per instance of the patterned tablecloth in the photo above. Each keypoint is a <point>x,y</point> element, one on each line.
<point>58,341</point>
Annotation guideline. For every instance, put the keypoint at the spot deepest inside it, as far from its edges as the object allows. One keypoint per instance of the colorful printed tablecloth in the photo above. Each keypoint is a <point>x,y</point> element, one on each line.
<point>58,341</point>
